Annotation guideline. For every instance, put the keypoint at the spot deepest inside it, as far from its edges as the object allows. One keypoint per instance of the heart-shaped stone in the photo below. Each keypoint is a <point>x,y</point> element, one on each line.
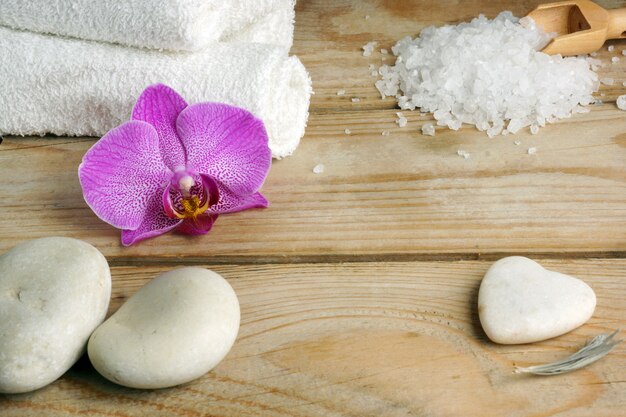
<point>519,301</point>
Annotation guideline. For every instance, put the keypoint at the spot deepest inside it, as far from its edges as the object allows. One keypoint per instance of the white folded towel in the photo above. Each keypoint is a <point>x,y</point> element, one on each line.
<point>50,84</point>
<point>276,28</point>
<point>160,24</point>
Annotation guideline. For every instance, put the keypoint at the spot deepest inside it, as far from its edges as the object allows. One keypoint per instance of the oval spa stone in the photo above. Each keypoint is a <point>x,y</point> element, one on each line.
<point>53,293</point>
<point>173,330</point>
<point>519,301</point>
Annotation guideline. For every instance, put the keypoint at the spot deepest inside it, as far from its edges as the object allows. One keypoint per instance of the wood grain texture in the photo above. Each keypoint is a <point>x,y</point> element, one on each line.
<point>364,339</point>
<point>402,195</point>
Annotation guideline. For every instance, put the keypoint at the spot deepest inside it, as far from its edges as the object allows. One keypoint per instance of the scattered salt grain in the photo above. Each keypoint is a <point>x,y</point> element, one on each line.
<point>402,121</point>
<point>367,17</point>
<point>374,73</point>
<point>593,54</point>
<point>372,67</point>
<point>607,81</point>
<point>518,142</point>
<point>621,102</point>
<point>355,99</point>
<point>611,48</point>
<point>463,153</point>
<point>368,48</point>
<point>341,92</point>
<point>385,133</point>
<point>348,131</point>
<point>488,73</point>
<point>615,60</point>
<point>384,51</point>
<point>318,169</point>
<point>624,84</point>
<point>534,129</point>
<point>532,151</point>
<point>428,129</point>
<point>624,52</point>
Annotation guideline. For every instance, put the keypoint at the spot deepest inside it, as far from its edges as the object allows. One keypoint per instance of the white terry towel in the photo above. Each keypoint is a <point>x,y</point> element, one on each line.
<point>276,28</point>
<point>72,87</point>
<point>187,25</point>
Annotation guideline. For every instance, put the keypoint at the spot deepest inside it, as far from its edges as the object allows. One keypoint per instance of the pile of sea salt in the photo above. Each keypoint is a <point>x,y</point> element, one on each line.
<point>488,73</point>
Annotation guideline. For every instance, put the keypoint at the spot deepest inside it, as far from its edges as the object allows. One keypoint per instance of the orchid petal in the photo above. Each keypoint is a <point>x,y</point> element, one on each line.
<point>155,223</point>
<point>197,226</point>
<point>213,189</point>
<point>121,172</point>
<point>226,142</point>
<point>159,105</point>
<point>231,202</point>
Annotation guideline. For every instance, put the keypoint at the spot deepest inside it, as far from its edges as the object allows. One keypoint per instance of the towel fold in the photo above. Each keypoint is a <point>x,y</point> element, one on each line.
<point>187,25</point>
<point>72,87</point>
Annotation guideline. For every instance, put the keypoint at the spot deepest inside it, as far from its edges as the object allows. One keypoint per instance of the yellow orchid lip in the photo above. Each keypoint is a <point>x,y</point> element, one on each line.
<point>192,207</point>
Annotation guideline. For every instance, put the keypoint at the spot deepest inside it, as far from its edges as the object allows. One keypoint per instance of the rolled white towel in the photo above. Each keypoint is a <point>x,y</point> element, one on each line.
<point>186,25</point>
<point>84,88</point>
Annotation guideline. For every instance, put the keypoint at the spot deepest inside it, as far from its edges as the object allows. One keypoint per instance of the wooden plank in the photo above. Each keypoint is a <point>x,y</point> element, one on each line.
<point>329,37</point>
<point>364,339</point>
<point>402,196</point>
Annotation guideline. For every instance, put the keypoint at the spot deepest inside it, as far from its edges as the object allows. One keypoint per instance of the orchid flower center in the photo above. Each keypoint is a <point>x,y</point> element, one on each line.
<point>187,197</point>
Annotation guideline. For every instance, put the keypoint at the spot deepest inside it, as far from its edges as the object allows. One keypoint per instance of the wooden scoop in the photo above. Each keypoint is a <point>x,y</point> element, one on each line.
<point>581,26</point>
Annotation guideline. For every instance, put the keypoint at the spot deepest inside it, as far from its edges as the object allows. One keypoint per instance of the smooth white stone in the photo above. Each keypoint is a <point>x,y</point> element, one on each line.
<point>519,301</point>
<point>173,330</point>
<point>53,293</point>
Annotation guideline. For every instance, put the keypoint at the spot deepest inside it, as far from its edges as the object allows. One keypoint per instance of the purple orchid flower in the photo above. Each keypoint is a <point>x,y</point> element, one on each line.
<point>175,166</point>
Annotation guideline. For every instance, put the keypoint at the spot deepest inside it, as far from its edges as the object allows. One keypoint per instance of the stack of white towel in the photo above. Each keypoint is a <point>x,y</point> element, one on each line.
<point>76,67</point>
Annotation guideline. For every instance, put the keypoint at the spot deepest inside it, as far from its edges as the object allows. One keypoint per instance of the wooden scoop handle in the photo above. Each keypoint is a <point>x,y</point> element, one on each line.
<point>617,24</point>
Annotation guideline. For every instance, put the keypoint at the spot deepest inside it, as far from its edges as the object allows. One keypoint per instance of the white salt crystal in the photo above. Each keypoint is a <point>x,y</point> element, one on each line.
<point>611,48</point>
<point>488,73</point>
<point>374,73</point>
<point>341,92</point>
<point>384,51</point>
<point>534,129</point>
<point>402,121</point>
<point>367,17</point>
<point>624,52</point>
<point>355,99</point>
<point>532,151</point>
<point>607,81</point>
<point>518,142</point>
<point>615,60</point>
<point>348,131</point>
<point>593,54</point>
<point>463,153</point>
<point>372,67</point>
<point>621,102</point>
<point>318,169</point>
<point>385,133</point>
<point>368,48</point>
<point>428,129</point>
<point>624,84</point>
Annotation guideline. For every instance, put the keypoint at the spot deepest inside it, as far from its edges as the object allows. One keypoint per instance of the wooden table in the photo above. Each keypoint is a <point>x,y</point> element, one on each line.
<point>358,285</point>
